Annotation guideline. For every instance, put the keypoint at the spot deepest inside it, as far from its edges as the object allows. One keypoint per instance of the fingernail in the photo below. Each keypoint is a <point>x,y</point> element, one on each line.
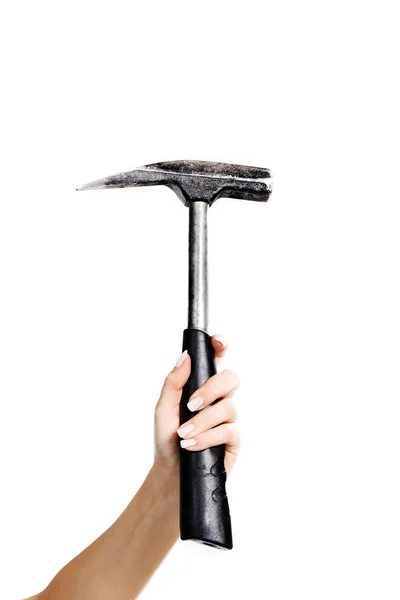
<point>195,403</point>
<point>221,339</point>
<point>188,443</point>
<point>185,429</point>
<point>181,359</point>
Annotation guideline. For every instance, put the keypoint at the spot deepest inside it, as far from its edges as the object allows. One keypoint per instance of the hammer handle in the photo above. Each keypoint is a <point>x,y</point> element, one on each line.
<point>204,508</point>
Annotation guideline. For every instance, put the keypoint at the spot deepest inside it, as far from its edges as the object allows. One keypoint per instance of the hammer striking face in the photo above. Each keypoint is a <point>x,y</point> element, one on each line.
<point>204,509</point>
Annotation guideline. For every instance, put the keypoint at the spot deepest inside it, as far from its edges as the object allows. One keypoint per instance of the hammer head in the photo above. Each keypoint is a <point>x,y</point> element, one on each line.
<point>194,180</point>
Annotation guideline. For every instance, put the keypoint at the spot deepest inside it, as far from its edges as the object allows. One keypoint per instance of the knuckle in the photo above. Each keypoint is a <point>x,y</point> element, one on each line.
<point>232,378</point>
<point>233,434</point>
<point>170,380</point>
<point>229,409</point>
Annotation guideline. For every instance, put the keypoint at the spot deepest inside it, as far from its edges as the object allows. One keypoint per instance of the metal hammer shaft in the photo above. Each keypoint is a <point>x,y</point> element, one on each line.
<point>198,268</point>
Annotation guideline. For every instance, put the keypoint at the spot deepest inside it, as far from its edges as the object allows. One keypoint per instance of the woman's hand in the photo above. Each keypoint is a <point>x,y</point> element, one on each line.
<point>211,426</point>
<point>121,561</point>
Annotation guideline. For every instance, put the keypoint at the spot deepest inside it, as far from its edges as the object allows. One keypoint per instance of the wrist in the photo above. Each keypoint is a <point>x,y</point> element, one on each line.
<point>165,479</point>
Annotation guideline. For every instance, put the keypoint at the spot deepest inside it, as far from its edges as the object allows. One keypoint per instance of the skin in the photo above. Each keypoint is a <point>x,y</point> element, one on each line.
<point>120,562</point>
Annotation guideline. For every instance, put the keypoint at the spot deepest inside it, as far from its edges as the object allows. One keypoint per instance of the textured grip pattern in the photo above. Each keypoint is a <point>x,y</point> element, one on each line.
<point>204,508</point>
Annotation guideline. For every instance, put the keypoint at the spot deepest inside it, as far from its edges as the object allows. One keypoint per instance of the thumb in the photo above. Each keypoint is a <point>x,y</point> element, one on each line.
<point>172,389</point>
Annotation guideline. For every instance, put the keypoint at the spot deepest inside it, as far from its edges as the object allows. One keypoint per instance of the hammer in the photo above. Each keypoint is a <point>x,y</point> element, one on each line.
<point>204,508</point>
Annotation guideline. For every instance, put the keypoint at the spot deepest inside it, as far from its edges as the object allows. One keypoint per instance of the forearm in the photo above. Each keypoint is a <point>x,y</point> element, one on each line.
<point>120,562</point>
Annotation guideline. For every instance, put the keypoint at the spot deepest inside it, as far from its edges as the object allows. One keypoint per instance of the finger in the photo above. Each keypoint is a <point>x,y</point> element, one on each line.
<point>218,386</point>
<point>172,389</point>
<point>227,434</point>
<point>222,412</point>
<point>220,345</point>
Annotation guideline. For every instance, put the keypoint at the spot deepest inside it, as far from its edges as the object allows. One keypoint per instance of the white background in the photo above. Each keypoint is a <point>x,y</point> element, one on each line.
<point>306,287</point>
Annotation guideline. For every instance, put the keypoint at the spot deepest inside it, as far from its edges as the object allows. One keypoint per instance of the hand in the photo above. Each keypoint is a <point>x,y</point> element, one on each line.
<point>212,426</point>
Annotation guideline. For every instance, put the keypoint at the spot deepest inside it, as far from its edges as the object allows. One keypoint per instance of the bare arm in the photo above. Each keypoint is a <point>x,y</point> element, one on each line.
<point>120,562</point>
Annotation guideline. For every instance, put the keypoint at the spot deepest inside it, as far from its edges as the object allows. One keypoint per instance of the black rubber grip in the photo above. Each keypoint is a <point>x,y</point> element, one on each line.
<point>204,508</point>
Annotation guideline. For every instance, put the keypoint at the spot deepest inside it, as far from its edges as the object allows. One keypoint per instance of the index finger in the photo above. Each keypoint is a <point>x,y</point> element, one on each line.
<point>220,346</point>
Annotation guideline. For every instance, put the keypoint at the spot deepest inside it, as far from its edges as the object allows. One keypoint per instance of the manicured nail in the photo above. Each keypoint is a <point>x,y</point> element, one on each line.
<point>195,403</point>
<point>221,339</point>
<point>188,443</point>
<point>185,429</point>
<point>181,359</point>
